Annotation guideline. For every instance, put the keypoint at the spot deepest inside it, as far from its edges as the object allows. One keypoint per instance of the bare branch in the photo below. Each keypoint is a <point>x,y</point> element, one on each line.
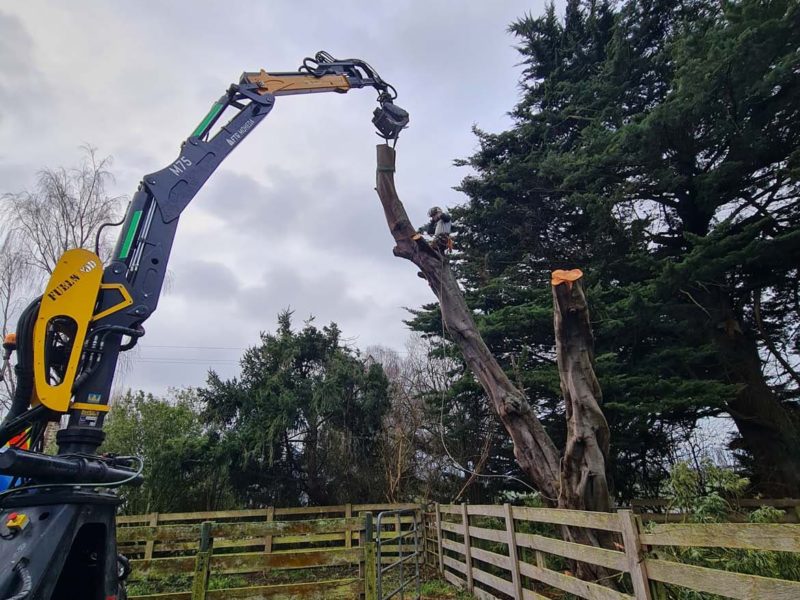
<point>64,211</point>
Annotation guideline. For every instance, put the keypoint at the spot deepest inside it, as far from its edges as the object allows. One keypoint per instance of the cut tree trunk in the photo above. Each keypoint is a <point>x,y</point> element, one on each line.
<point>583,466</point>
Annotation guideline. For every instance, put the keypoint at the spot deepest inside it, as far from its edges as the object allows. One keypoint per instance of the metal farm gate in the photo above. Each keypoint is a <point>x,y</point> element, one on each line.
<point>400,559</point>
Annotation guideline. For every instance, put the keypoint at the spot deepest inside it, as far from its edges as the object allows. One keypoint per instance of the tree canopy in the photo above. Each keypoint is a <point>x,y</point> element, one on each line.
<point>655,146</point>
<point>304,417</point>
<point>301,424</point>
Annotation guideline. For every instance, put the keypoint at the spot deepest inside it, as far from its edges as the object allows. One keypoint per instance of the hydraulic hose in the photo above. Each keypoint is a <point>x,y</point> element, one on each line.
<point>78,470</point>
<point>27,581</point>
<point>24,367</point>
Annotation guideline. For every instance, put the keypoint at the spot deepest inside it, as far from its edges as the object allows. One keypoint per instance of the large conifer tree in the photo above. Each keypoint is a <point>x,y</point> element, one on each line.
<point>656,147</point>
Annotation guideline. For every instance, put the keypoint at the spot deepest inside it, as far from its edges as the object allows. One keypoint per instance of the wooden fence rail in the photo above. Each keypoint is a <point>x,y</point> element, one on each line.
<point>257,547</point>
<point>268,513</point>
<point>152,535</point>
<point>660,510</point>
<point>499,552</point>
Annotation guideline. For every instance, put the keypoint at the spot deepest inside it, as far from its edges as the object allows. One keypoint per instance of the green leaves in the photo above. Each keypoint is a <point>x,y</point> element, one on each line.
<point>300,424</point>
<point>182,462</point>
<point>655,147</point>
<point>304,417</point>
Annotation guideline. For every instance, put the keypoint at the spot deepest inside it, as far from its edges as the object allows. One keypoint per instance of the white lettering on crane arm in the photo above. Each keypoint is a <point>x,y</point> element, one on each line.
<point>237,135</point>
<point>179,166</point>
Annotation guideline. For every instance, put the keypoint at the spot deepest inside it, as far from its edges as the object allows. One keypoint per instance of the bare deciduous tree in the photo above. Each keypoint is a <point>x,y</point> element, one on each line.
<point>64,211</point>
<point>413,463</point>
<point>14,289</point>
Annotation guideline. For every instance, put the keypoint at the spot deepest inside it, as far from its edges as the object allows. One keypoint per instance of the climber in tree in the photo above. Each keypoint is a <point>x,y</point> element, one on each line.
<point>439,227</point>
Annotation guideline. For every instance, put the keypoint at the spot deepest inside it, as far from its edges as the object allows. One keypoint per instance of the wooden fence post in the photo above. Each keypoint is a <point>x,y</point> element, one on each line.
<point>348,514</point>
<point>428,527</point>
<point>362,543</point>
<point>398,529</point>
<point>513,556</point>
<point>203,562</point>
<point>633,552</point>
<point>467,547</point>
<point>268,538</point>
<point>370,572</point>
<point>439,537</point>
<point>150,545</point>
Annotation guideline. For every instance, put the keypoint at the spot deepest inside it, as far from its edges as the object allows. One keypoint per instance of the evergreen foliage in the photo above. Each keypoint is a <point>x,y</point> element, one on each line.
<point>706,494</point>
<point>303,418</point>
<point>184,468</point>
<point>300,425</point>
<point>655,146</point>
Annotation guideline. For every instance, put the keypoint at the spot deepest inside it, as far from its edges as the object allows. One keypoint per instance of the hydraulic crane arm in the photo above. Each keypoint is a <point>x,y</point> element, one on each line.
<point>286,84</point>
<point>323,73</point>
<point>76,329</point>
<point>59,541</point>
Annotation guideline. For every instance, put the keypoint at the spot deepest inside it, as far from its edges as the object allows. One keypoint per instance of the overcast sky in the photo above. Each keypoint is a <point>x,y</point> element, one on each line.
<point>291,218</point>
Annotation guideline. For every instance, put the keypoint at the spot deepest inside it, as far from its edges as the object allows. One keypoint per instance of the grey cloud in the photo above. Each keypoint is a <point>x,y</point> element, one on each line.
<point>318,208</point>
<point>21,87</point>
<point>246,205</point>
<point>204,281</point>
<point>293,212</point>
<point>157,376</point>
<point>131,164</point>
<point>323,296</point>
<point>13,177</point>
<point>16,52</point>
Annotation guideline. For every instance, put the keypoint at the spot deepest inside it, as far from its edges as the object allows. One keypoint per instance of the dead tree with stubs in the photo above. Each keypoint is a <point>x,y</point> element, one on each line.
<point>574,478</point>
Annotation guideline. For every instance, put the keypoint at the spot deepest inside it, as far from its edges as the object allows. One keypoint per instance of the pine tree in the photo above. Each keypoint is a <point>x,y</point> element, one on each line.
<point>656,147</point>
<point>303,419</point>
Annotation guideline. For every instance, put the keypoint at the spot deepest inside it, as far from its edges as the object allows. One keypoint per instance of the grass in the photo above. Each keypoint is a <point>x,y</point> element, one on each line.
<point>432,589</point>
<point>162,584</point>
<point>175,583</point>
<point>432,586</point>
<point>437,589</point>
<point>178,583</point>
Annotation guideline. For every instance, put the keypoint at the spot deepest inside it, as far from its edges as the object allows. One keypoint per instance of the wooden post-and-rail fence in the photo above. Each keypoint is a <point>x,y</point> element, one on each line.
<point>280,553</point>
<point>499,552</point>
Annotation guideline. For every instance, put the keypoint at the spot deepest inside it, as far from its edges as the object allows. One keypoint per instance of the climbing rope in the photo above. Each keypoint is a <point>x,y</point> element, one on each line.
<point>472,473</point>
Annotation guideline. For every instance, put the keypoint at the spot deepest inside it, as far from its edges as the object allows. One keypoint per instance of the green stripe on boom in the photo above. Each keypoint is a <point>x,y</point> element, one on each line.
<point>212,114</point>
<point>126,245</point>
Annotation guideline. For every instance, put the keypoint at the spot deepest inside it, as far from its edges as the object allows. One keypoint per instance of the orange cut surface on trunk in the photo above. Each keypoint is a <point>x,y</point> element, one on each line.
<point>560,276</point>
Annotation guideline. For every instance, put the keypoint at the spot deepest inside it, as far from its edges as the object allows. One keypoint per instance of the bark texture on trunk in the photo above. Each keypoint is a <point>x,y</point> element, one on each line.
<point>770,431</point>
<point>769,428</point>
<point>534,450</point>
<point>584,483</point>
<point>583,467</point>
